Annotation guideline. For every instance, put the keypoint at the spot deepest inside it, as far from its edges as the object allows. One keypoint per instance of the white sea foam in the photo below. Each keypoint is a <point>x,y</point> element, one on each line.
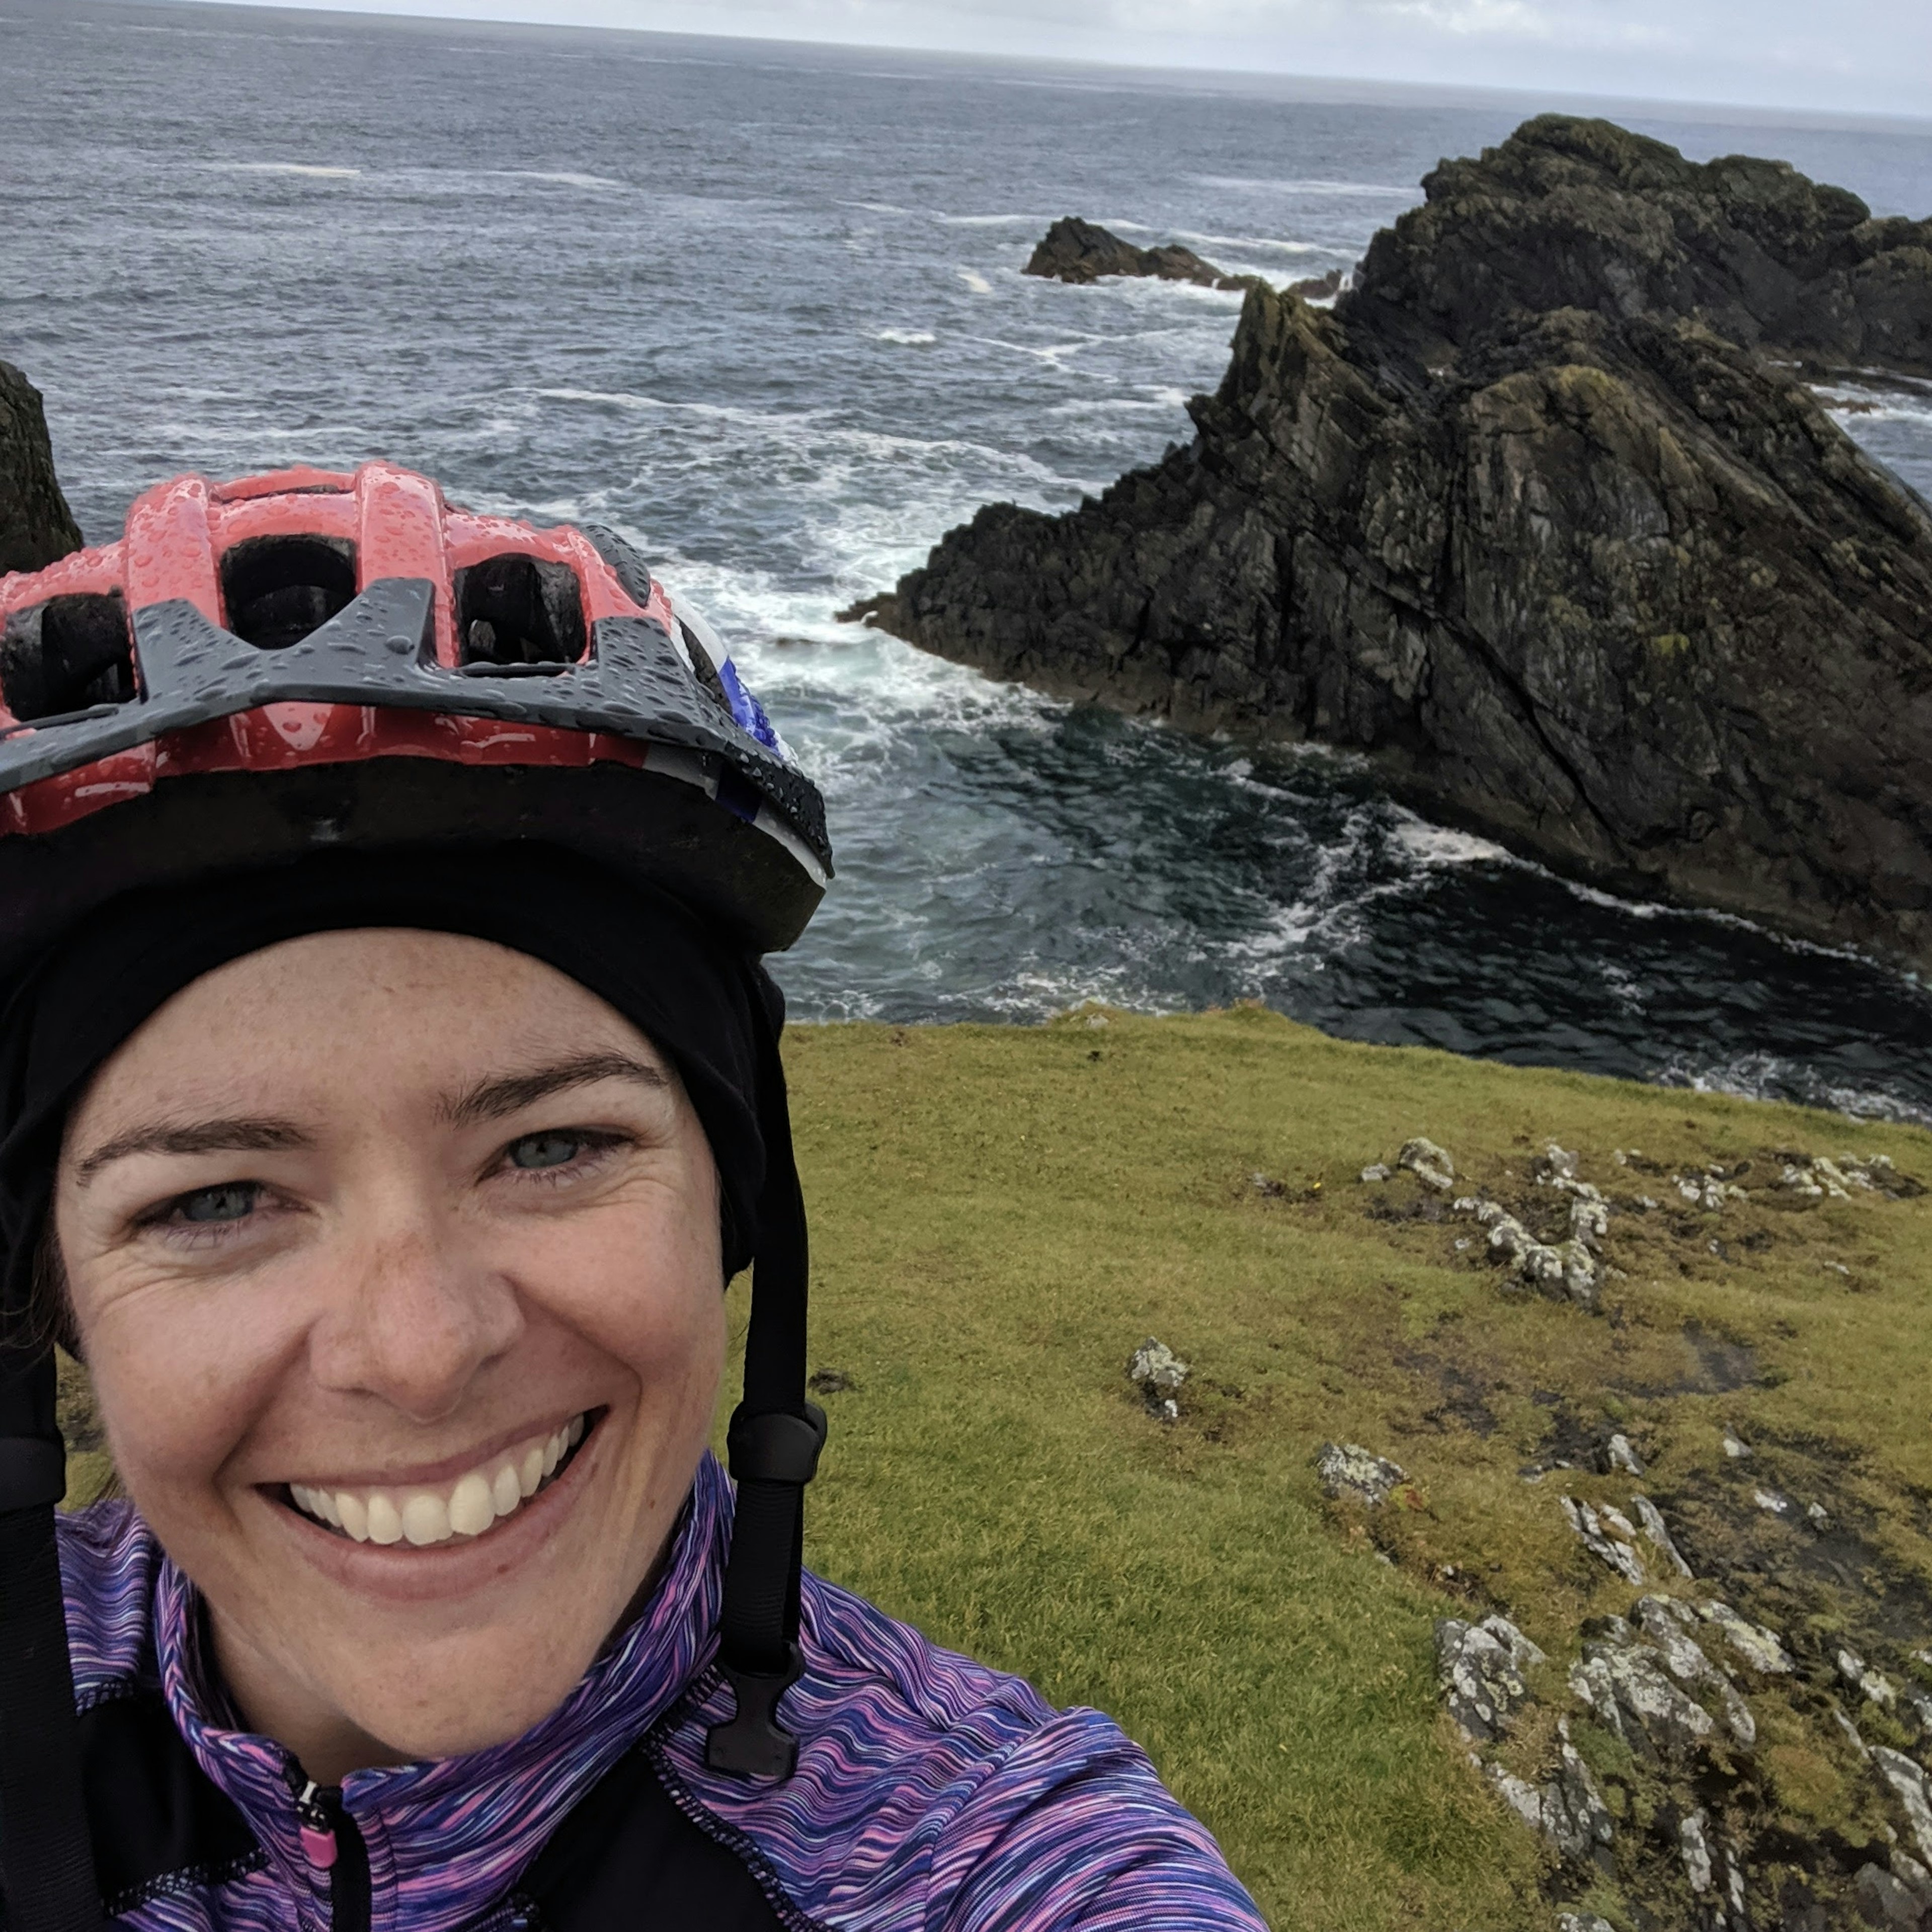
<point>1367,190</point>
<point>976,282</point>
<point>1435,845</point>
<point>1256,241</point>
<point>993,220</point>
<point>562,179</point>
<point>314,171</point>
<point>909,338</point>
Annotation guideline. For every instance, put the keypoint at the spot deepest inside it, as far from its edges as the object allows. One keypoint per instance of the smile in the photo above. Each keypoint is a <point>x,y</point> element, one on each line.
<point>470,1506</point>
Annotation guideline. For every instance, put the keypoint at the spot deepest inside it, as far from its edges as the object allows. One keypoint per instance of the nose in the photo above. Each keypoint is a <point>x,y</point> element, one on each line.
<point>417,1316</point>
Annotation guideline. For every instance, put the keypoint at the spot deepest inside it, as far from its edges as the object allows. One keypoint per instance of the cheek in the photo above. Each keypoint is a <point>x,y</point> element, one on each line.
<point>182,1376</point>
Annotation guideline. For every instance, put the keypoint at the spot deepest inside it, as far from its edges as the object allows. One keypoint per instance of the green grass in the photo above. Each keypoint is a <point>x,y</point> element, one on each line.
<point>1001,1214</point>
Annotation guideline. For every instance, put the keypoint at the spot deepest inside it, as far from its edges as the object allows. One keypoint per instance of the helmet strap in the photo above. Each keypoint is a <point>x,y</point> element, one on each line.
<point>774,1443</point>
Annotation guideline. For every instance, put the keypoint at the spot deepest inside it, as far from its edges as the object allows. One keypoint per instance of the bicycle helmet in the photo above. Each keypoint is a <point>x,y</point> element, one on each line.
<point>307,660</point>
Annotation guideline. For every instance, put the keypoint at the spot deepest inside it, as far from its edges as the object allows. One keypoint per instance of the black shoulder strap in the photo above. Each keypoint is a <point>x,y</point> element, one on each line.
<point>627,1856</point>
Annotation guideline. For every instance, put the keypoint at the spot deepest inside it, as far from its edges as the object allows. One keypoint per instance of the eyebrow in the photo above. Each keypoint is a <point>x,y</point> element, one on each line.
<point>509,1093</point>
<point>249,1136</point>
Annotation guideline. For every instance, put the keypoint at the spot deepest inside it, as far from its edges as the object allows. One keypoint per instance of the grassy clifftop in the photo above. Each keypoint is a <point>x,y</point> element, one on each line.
<point>1001,1215</point>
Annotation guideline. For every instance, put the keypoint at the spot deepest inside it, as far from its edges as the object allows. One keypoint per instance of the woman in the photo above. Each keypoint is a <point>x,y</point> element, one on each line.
<point>390,1087</point>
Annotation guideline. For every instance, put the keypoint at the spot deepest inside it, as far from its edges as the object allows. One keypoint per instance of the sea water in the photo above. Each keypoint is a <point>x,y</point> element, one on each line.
<point>760,307</point>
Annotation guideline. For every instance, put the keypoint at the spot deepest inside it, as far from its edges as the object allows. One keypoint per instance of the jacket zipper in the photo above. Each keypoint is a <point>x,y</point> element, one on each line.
<point>331,1843</point>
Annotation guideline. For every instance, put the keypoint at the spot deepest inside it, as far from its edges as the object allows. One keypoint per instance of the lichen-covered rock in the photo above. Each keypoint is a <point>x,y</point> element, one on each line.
<point>1668,1624</point>
<point>36,525</point>
<point>1159,1373</point>
<point>1657,1532</point>
<point>1629,1691</point>
<point>1589,1527</point>
<point>1912,1789</point>
<point>1348,1468</point>
<point>1531,518</point>
<point>1480,1667</point>
<point>1429,1164</point>
<point>1885,1901</point>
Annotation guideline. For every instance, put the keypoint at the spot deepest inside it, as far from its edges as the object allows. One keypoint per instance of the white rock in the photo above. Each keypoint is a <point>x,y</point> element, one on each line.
<point>1623,1456</point>
<point>1156,1368</point>
<point>1429,1164</point>
<point>1910,1786</point>
<point>1348,1466</point>
<point>1855,1671</point>
<point>1735,1449</point>
<point>1658,1531</point>
<point>1759,1648</point>
<point>1479,1669</point>
<point>1377,1171</point>
<point>1693,1839</point>
<point>1773,1503</point>
<point>1627,1687</point>
<point>1589,1529</point>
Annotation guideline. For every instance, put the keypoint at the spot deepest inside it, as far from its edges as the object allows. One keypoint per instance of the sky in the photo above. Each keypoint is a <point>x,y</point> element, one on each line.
<point>1847,56</point>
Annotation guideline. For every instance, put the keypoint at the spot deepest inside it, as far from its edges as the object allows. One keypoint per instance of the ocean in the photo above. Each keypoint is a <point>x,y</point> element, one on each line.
<point>760,307</point>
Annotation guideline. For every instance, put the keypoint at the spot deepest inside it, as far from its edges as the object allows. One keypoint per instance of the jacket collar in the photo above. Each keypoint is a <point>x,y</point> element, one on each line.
<point>448,1837</point>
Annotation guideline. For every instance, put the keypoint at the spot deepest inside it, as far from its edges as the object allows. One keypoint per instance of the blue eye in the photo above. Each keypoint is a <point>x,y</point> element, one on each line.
<point>233,1200</point>
<point>551,1149</point>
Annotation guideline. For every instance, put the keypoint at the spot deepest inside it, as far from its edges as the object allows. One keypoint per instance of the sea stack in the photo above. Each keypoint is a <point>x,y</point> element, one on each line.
<point>1544,516</point>
<point>36,525</point>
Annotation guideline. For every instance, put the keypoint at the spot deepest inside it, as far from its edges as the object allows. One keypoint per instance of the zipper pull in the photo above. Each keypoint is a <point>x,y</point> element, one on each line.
<point>317,1827</point>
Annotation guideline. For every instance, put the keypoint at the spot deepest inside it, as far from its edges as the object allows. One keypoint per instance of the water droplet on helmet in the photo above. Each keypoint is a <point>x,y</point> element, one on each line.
<point>401,645</point>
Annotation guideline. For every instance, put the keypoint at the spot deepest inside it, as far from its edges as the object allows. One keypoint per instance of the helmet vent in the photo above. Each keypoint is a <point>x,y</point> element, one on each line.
<point>277,589</point>
<point>67,655</point>
<point>513,611</point>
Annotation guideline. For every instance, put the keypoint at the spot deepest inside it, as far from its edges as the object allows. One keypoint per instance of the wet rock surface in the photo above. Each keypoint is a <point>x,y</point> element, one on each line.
<point>1074,250</point>
<point>1543,516</point>
<point>36,525</point>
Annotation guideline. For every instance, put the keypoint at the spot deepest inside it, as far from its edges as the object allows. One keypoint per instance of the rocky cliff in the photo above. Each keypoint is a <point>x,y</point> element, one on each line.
<point>1536,516</point>
<point>36,525</point>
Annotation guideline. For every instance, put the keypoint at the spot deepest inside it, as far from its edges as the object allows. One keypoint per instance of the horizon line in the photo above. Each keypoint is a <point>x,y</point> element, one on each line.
<point>1823,118</point>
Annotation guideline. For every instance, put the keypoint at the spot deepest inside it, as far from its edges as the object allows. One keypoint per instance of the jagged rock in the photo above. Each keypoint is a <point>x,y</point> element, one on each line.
<point>1759,1648</point>
<point>1531,518</point>
<point>1377,1170</point>
<point>1159,1373</point>
<point>1570,1811</point>
<point>1589,1526</point>
<point>1429,1164</point>
<point>1564,1271</point>
<point>1480,1667</point>
<point>1912,1789</point>
<point>36,525</point>
<point>1074,250</point>
<point>1657,1532</point>
<point>1629,1691</point>
<point>1667,1623</point>
<point>1321,288</point>
<point>1883,1900</point>
<point>1736,1451</point>
<point>1619,1454</point>
<point>1348,1466</point>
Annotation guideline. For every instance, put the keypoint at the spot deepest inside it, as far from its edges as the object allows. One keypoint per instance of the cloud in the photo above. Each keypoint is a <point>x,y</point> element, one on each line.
<point>1857,55</point>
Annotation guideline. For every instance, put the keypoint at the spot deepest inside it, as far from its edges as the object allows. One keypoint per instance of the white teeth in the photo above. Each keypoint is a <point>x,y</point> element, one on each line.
<point>385,1525</point>
<point>506,1492</point>
<point>470,1507</point>
<point>425,1519</point>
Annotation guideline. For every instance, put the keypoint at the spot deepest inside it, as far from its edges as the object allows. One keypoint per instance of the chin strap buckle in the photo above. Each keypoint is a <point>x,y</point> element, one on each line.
<point>753,1743</point>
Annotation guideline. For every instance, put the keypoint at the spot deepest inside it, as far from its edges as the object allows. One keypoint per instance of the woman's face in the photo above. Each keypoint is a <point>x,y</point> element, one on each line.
<point>395,1257</point>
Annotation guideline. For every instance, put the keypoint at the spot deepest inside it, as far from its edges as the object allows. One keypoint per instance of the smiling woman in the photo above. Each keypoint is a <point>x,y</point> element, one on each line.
<point>389,1089</point>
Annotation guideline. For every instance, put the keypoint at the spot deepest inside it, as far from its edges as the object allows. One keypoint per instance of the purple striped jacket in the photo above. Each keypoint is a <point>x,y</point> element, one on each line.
<point>932,1795</point>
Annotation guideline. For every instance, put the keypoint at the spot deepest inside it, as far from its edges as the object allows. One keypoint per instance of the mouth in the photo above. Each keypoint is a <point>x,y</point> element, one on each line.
<point>460,1511</point>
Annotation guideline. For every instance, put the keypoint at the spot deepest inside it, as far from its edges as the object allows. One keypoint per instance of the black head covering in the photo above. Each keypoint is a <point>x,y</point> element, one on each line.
<point>713,1011</point>
<point>708,1010</point>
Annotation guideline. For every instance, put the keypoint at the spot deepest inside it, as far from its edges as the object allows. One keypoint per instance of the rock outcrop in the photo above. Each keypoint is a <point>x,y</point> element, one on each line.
<point>1535,516</point>
<point>1073,251</point>
<point>36,525</point>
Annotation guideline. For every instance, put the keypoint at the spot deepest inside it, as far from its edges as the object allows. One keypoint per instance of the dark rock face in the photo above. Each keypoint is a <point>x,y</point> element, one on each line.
<point>1073,251</point>
<point>36,525</point>
<point>1532,516</point>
